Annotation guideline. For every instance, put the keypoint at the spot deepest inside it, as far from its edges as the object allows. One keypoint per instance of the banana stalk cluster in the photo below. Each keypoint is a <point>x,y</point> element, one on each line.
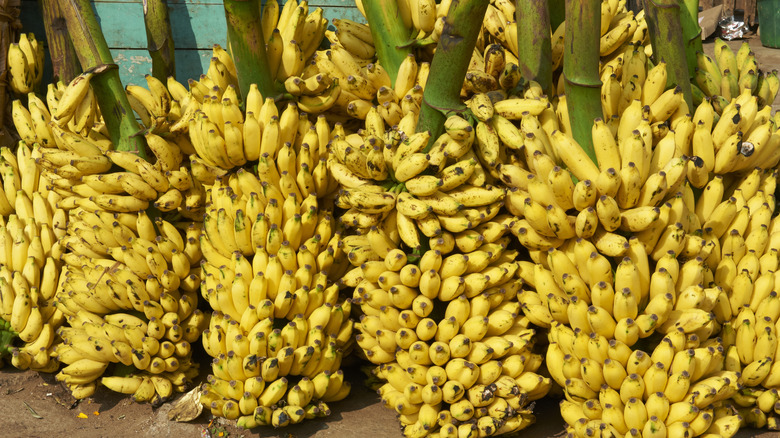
<point>649,262</point>
<point>293,34</point>
<point>678,389</point>
<point>31,228</point>
<point>129,293</point>
<point>454,355</point>
<point>25,64</point>
<point>621,28</point>
<point>395,192</point>
<point>728,74</point>
<point>127,287</point>
<point>279,330</point>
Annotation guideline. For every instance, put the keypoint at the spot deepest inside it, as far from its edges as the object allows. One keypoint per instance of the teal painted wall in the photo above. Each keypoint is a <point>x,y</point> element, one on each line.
<point>197,25</point>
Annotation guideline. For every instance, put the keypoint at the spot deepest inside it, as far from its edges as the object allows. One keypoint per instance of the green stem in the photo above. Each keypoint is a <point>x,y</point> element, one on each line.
<point>94,54</point>
<point>159,39</point>
<point>247,46</point>
<point>581,69</point>
<point>64,60</point>
<point>689,19</point>
<point>666,36</point>
<point>557,10</point>
<point>535,54</point>
<point>390,34</point>
<point>451,61</point>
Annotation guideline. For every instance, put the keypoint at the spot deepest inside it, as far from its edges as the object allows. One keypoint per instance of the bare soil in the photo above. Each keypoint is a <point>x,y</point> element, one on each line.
<point>27,395</point>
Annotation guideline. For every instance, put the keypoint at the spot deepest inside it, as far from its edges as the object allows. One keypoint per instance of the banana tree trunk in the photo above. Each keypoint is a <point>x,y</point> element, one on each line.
<point>94,55</point>
<point>159,39</point>
<point>581,69</point>
<point>557,10</point>
<point>247,45</point>
<point>666,36</point>
<point>389,33</point>
<point>64,61</point>
<point>451,61</point>
<point>535,53</point>
<point>689,19</point>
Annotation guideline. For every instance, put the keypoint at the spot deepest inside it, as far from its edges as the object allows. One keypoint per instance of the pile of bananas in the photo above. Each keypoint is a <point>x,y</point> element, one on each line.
<point>31,229</point>
<point>279,329</point>
<point>635,266</point>
<point>127,286</point>
<point>25,64</point>
<point>725,76</point>
<point>394,190</point>
<point>454,355</point>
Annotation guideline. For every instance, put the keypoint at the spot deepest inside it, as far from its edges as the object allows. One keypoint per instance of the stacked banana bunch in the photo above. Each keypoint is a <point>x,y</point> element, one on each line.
<point>620,28</point>
<point>31,228</point>
<point>423,18</point>
<point>127,286</point>
<point>25,64</point>
<point>293,35</point>
<point>279,330</point>
<point>130,295</point>
<point>678,389</point>
<point>633,273</point>
<point>271,249</point>
<point>725,76</point>
<point>395,189</point>
<point>454,355</point>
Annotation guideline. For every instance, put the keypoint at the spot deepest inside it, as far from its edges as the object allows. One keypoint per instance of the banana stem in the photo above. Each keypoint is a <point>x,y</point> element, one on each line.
<point>689,19</point>
<point>94,54</point>
<point>451,61</point>
<point>535,54</point>
<point>64,60</point>
<point>247,46</point>
<point>390,34</point>
<point>159,39</point>
<point>557,10</point>
<point>666,36</point>
<point>581,69</point>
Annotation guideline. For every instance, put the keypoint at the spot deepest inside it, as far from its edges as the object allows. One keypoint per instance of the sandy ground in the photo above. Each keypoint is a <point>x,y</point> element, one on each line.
<point>24,396</point>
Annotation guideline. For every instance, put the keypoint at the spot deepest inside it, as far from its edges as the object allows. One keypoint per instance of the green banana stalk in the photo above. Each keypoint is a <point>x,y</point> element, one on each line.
<point>94,55</point>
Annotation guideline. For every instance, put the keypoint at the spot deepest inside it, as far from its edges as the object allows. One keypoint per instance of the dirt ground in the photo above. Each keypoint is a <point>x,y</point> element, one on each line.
<point>35,405</point>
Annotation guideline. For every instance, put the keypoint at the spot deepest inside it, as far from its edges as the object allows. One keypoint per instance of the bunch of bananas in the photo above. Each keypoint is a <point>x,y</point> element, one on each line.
<point>453,352</point>
<point>279,329</point>
<point>127,286</point>
<point>394,190</point>
<point>25,64</point>
<point>678,389</point>
<point>31,229</point>
<point>643,254</point>
<point>725,76</point>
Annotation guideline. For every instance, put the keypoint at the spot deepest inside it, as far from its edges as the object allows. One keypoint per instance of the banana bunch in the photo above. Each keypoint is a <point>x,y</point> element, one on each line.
<point>129,291</point>
<point>31,226</point>
<point>423,18</point>
<point>77,160</point>
<point>728,74</point>
<point>394,190</point>
<point>156,350</point>
<point>292,34</point>
<point>166,108</point>
<point>25,64</point>
<point>454,355</point>
<point>279,330</point>
<point>678,389</point>
<point>116,259</point>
